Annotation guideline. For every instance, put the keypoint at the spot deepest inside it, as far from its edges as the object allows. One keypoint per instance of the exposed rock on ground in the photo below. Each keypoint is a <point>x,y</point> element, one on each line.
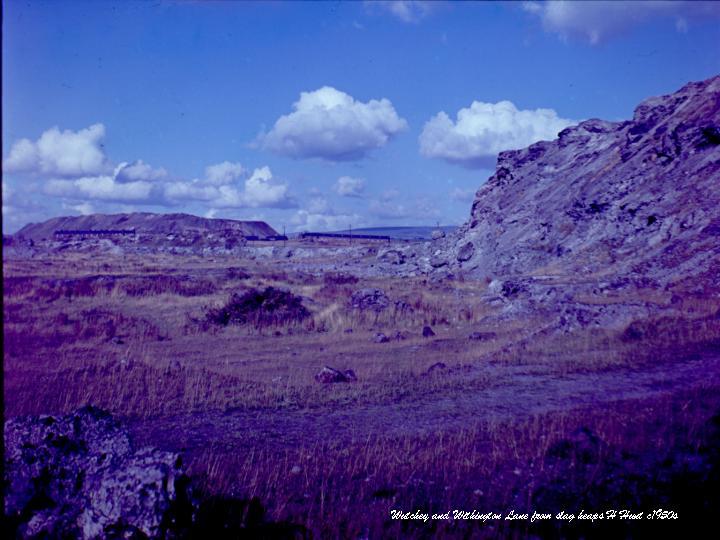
<point>78,476</point>
<point>482,336</point>
<point>370,300</point>
<point>332,375</point>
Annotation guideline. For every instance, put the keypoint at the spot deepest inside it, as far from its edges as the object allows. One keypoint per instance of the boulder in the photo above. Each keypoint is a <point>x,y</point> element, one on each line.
<point>380,338</point>
<point>427,331</point>
<point>391,256</point>
<point>78,476</point>
<point>437,234</point>
<point>466,252</point>
<point>332,375</point>
<point>438,261</point>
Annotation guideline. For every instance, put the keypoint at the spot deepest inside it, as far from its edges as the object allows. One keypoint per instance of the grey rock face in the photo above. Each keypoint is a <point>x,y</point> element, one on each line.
<point>78,476</point>
<point>637,197</point>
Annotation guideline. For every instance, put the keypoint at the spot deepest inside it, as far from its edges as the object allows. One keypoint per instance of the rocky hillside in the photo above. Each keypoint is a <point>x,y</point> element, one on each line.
<point>145,223</point>
<point>640,197</point>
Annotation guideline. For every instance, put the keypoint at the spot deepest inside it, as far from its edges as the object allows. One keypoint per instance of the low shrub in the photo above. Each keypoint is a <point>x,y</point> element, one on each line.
<point>270,307</point>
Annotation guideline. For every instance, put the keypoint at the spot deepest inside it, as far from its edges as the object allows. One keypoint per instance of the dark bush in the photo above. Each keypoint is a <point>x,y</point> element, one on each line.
<point>339,279</point>
<point>260,309</point>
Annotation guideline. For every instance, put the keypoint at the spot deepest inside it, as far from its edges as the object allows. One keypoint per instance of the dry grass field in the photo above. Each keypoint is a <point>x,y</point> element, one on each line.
<point>523,419</point>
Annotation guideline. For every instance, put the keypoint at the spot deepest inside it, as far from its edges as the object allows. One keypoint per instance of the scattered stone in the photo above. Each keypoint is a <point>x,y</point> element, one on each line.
<point>482,336</point>
<point>391,256</point>
<point>369,299</point>
<point>437,261</point>
<point>466,252</point>
<point>380,338</point>
<point>332,375</point>
<point>427,331</point>
<point>513,288</point>
<point>350,375</point>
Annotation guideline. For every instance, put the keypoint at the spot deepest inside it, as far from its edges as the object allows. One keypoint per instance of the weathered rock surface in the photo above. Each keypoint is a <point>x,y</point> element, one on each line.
<point>391,256</point>
<point>369,299</point>
<point>332,375</point>
<point>79,476</point>
<point>638,197</point>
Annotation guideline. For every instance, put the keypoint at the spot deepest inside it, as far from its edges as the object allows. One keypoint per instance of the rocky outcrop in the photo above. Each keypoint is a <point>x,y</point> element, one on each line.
<point>638,197</point>
<point>78,476</point>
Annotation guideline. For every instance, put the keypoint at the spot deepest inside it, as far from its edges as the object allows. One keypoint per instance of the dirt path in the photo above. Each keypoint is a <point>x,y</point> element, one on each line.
<point>516,392</point>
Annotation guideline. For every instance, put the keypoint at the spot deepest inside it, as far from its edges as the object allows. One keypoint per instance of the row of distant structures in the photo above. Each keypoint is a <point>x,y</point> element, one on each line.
<point>83,233</point>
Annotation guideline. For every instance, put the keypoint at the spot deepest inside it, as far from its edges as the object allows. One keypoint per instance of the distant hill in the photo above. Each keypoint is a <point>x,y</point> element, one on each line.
<point>144,223</point>
<point>402,233</point>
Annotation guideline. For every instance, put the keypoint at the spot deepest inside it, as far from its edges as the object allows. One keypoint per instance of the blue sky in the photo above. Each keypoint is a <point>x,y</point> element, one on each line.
<point>310,115</point>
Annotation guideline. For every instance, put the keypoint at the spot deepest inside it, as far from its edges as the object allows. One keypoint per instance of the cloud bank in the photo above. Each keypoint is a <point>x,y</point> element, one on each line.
<point>331,125</point>
<point>60,153</point>
<point>73,166</point>
<point>483,130</point>
<point>347,186</point>
<point>407,11</point>
<point>596,21</point>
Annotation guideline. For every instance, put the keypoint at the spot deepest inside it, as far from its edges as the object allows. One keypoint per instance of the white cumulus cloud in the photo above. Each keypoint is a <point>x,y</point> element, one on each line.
<point>259,190</point>
<point>307,220</point>
<point>138,171</point>
<point>102,188</point>
<point>60,153</point>
<point>483,130</point>
<point>408,11</point>
<point>224,173</point>
<point>595,21</point>
<point>347,186</point>
<point>332,125</point>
